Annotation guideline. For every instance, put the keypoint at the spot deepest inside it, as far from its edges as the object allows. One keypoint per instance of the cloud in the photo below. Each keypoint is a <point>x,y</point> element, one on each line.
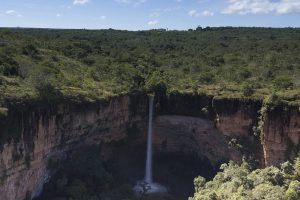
<point>103,17</point>
<point>193,13</point>
<point>153,23</point>
<point>9,12</point>
<point>13,12</point>
<point>161,11</point>
<point>80,2</point>
<point>58,15</point>
<point>262,7</point>
<point>207,13</point>
<point>171,9</point>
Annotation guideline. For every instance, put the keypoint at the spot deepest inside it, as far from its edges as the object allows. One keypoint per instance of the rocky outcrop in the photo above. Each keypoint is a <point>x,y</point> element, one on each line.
<point>197,124</point>
<point>281,139</point>
<point>192,135</point>
<point>236,118</point>
<point>50,131</point>
<point>216,122</point>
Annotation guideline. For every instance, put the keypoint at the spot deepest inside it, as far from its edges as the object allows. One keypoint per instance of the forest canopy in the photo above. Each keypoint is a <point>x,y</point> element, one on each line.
<point>241,182</point>
<point>95,64</point>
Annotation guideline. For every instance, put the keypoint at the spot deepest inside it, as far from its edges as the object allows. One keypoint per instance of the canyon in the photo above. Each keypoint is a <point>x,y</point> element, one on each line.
<point>214,129</point>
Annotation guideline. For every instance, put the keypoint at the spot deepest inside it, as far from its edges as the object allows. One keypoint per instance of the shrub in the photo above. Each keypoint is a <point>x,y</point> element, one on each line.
<point>297,167</point>
<point>30,50</point>
<point>8,65</point>
<point>272,100</point>
<point>204,111</point>
<point>207,77</point>
<point>234,143</point>
<point>248,89</point>
<point>293,192</point>
<point>156,83</point>
<point>282,82</point>
<point>242,74</point>
<point>241,182</point>
<point>45,80</point>
<point>88,61</point>
<point>3,112</point>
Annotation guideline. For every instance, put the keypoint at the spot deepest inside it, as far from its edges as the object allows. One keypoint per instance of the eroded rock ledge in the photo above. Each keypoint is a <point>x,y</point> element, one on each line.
<point>216,129</point>
<point>278,141</point>
<point>51,131</point>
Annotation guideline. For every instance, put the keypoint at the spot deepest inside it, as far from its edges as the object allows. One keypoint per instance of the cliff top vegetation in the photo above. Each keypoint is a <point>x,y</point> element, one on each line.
<point>242,182</point>
<point>94,64</point>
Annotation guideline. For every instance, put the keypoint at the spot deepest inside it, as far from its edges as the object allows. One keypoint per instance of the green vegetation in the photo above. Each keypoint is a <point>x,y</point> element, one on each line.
<point>241,182</point>
<point>90,65</point>
<point>3,112</point>
<point>85,177</point>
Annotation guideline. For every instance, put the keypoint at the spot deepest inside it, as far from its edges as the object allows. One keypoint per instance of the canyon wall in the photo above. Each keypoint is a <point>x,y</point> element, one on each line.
<point>215,129</point>
<point>281,139</point>
<point>223,129</point>
<point>192,135</point>
<point>49,131</point>
<point>211,125</point>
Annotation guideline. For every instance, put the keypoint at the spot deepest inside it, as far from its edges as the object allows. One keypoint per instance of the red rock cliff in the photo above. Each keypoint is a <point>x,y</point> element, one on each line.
<point>50,131</point>
<point>281,139</point>
<point>233,118</point>
<point>183,123</point>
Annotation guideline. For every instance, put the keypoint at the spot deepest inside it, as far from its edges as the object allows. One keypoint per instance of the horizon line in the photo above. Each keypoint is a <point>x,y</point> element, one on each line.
<point>165,29</point>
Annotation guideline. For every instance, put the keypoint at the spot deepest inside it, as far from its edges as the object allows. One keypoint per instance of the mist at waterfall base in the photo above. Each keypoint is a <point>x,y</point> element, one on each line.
<point>147,185</point>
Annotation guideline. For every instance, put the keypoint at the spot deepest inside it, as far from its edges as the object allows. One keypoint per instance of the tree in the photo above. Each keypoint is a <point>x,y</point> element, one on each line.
<point>199,28</point>
<point>30,50</point>
<point>241,182</point>
<point>283,82</point>
<point>293,192</point>
<point>46,81</point>
<point>247,89</point>
<point>156,83</point>
<point>8,65</point>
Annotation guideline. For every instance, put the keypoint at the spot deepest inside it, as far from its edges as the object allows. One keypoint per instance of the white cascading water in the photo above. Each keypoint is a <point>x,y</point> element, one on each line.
<point>148,174</point>
<point>148,180</point>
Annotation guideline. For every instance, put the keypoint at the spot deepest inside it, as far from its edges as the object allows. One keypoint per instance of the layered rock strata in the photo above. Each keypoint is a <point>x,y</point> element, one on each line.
<point>217,130</point>
<point>50,131</point>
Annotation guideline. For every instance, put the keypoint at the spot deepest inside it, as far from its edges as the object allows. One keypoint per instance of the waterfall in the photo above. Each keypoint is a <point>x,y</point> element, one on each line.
<point>147,185</point>
<point>148,174</point>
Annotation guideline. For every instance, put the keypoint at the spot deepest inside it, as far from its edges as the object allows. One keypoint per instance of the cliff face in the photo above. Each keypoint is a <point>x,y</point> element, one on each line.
<point>50,131</point>
<point>210,126</point>
<point>192,135</point>
<point>281,139</point>
<point>236,120</point>
<point>185,124</point>
<point>215,122</point>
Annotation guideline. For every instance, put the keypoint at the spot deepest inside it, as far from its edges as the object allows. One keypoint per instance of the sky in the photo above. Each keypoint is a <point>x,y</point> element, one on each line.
<point>148,14</point>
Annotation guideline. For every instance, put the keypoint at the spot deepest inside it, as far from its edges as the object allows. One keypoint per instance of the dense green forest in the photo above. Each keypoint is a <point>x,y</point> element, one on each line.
<point>89,65</point>
<point>95,64</point>
<point>241,182</point>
